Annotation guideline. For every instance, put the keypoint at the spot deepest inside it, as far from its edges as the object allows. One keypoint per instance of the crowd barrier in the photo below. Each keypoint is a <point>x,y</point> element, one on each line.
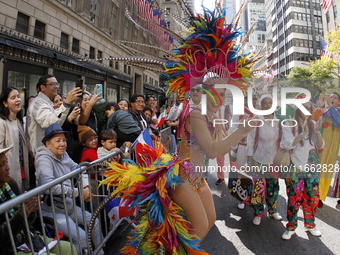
<point>95,207</point>
<point>165,138</point>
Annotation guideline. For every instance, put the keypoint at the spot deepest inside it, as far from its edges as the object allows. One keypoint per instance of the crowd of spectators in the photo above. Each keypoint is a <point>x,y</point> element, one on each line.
<point>56,133</point>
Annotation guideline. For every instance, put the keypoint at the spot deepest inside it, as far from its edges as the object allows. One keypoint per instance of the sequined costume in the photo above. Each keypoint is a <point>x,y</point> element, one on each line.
<point>191,149</point>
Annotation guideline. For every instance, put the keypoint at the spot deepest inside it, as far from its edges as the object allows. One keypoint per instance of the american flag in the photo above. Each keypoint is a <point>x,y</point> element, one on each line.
<point>324,49</point>
<point>325,5</point>
<point>337,58</point>
<point>147,11</point>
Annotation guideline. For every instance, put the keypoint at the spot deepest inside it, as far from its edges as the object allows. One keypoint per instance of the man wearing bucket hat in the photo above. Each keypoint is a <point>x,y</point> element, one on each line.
<point>8,190</point>
<point>52,162</point>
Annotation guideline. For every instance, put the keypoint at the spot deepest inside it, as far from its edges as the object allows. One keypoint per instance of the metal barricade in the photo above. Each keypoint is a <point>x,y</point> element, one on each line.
<point>165,138</point>
<point>100,221</point>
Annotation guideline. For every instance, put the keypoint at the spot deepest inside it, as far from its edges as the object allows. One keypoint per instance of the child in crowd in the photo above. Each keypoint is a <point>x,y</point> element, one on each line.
<point>151,119</point>
<point>89,139</point>
<point>108,140</point>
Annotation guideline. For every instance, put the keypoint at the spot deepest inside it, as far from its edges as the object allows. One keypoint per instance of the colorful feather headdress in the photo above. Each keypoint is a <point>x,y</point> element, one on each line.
<point>211,49</point>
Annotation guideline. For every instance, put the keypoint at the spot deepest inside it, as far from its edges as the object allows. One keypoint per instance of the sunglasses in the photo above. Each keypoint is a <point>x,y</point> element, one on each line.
<point>195,90</point>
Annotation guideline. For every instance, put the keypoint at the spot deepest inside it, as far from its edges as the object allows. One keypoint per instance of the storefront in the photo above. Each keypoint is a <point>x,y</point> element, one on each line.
<point>23,65</point>
<point>23,76</point>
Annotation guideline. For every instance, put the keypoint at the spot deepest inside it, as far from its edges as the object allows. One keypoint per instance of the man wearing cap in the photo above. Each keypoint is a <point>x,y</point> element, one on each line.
<point>8,190</point>
<point>41,113</point>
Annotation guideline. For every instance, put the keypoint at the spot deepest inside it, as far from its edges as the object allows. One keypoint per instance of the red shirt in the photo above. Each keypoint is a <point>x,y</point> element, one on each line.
<point>89,155</point>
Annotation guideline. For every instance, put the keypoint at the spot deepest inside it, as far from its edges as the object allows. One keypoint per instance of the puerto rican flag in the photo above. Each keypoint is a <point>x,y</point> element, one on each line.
<point>116,211</point>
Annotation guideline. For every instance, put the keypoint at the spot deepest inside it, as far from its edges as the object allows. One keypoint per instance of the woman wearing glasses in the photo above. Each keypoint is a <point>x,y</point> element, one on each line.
<point>305,141</point>
<point>194,195</point>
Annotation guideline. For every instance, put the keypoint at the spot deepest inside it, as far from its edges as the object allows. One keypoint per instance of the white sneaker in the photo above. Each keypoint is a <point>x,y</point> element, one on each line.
<point>276,216</point>
<point>314,231</point>
<point>287,234</point>
<point>241,206</point>
<point>257,221</point>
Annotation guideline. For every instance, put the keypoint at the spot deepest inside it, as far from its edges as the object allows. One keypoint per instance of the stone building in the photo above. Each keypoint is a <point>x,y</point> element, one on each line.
<point>75,39</point>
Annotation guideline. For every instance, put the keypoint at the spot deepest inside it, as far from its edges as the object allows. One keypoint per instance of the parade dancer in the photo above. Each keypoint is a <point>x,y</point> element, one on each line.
<point>172,192</point>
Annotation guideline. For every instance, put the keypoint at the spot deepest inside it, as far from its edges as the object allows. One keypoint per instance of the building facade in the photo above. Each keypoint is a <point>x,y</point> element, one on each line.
<point>75,39</point>
<point>296,29</point>
<point>330,20</point>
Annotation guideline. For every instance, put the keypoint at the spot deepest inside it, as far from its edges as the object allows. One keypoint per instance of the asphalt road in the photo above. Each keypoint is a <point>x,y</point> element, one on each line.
<point>234,232</point>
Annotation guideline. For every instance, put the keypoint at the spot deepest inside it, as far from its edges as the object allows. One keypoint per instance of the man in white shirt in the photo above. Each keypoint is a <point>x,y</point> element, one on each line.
<point>41,113</point>
<point>194,101</point>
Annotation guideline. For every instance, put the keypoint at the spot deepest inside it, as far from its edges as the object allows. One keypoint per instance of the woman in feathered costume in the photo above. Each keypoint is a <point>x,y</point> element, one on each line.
<point>172,194</point>
<point>207,57</point>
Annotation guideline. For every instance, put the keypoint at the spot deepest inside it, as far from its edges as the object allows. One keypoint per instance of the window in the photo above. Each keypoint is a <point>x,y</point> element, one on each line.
<point>110,62</point>
<point>92,55</point>
<point>306,43</point>
<point>75,45</point>
<point>125,68</point>
<point>39,30</point>
<point>297,42</point>
<point>129,70</point>
<point>117,65</point>
<point>126,29</point>
<point>64,41</point>
<point>22,23</point>
<point>168,9</point>
<point>327,17</point>
<point>113,22</point>
<point>335,11</point>
<point>100,55</point>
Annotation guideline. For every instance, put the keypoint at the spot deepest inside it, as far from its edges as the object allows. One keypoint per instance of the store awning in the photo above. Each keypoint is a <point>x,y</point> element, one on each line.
<point>153,88</point>
<point>28,48</point>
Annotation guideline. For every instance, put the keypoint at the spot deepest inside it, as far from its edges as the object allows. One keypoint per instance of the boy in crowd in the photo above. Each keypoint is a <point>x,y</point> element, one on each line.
<point>108,140</point>
<point>89,139</point>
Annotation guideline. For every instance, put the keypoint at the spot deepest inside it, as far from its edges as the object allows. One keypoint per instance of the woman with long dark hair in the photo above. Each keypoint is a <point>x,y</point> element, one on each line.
<point>12,133</point>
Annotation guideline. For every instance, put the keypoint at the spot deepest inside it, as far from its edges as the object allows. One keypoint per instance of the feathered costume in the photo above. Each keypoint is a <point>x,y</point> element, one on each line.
<point>163,229</point>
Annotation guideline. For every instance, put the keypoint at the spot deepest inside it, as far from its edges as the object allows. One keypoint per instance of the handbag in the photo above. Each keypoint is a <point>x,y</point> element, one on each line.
<point>37,242</point>
<point>246,189</point>
<point>282,157</point>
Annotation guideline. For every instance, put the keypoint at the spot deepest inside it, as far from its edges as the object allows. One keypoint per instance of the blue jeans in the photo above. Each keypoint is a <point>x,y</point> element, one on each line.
<point>173,145</point>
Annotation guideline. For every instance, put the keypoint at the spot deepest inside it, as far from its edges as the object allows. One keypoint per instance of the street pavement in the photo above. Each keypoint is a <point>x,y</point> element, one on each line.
<point>234,232</point>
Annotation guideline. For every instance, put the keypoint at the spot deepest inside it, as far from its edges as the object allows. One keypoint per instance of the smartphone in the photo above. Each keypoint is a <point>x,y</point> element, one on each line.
<point>99,89</point>
<point>79,83</point>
